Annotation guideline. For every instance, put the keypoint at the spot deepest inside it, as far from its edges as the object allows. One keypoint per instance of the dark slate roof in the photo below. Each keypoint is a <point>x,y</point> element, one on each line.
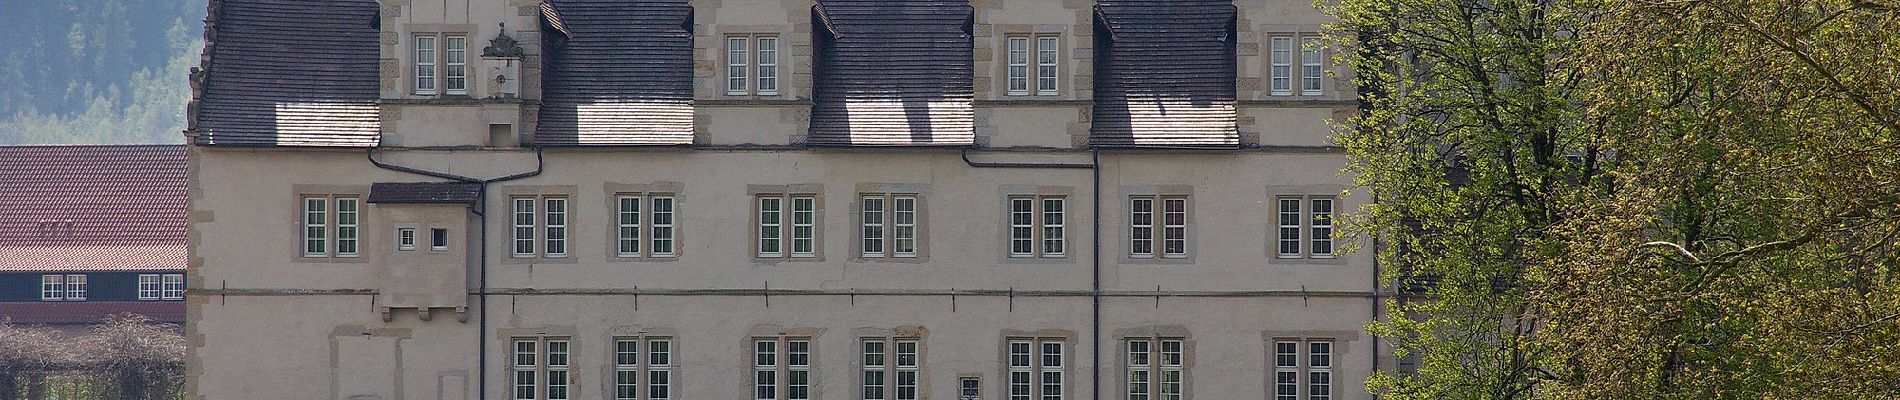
<point>117,207</point>
<point>621,75</point>
<point>425,193</point>
<point>1164,74</point>
<point>893,73</point>
<point>291,73</point>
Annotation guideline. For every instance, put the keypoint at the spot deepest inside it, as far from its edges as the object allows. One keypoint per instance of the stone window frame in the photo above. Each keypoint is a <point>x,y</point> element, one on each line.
<point>921,222</point>
<point>542,367</point>
<point>1037,339</point>
<point>786,192</point>
<point>1154,336</point>
<point>889,339</point>
<point>1297,36</point>
<point>647,192</point>
<point>645,336</point>
<point>1006,194</point>
<point>330,193</point>
<point>780,368</point>
<point>508,194</point>
<point>1343,342</point>
<point>1271,237</point>
<point>1159,193</point>
<point>1064,62</point>
<point>751,65</point>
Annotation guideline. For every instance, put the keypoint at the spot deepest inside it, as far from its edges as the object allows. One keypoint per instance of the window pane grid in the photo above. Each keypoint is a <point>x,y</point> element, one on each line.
<point>873,226</point>
<point>346,226</point>
<point>174,288</point>
<point>1311,72</point>
<point>628,226</point>
<point>1174,229</point>
<point>1282,65</point>
<point>524,227</point>
<point>1052,227</point>
<point>1046,57</point>
<point>1022,226</point>
<point>1020,370</point>
<point>797,370</point>
<point>52,287</point>
<point>736,57</point>
<point>904,226</point>
<point>455,64</point>
<point>804,230</point>
<point>770,212</point>
<point>1019,65</point>
<point>873,359</point>
<point>425,64</point>
<point>1322,222</point>
<point>315,232</point>
<point>556,227</point>
<point>662,221</point>
<point>767,64</point>
<point>149,286</point>
<point>1141,225</point>
<point>1289,228</point>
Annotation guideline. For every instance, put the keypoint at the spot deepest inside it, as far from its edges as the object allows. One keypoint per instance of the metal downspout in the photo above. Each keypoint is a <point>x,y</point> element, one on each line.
<point>481,222</point>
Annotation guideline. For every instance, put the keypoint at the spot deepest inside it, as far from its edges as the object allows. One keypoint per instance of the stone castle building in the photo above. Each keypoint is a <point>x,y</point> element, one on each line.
<point>772,199</point>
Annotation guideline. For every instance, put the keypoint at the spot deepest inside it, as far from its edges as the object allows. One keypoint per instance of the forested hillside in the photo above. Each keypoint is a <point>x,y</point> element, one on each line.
<point>97,71</point>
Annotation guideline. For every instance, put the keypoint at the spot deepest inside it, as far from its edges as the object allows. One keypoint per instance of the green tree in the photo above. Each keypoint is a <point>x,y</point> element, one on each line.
<point>1632,199</point>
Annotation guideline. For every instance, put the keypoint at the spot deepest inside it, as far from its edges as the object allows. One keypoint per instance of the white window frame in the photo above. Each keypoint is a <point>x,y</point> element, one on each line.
<point>1302,368</point>
<point>643,225</point>
<point>662,234</point>
<point>1280,65</point>
<point>174,287</point>
<point>783,366</point>
<point>1166,229</point>
<point>540,225</point>
<point>1037,230</point>
<point>1048,64</point>
<point>52,287</point>
<point>794,230</point>
<point>1308,226</point>
<point>1030,375</point>
<point>151,286</point>
<point>1017,69</point>
<point>897,366</point>
<point>406,239</point>
<point>771,226</point>
<point>765,58</point>
<point>643,368</point>
<point>752,62</point>
<point>1032,64</point>
<point>543,368</point>
<point>427,54</point>
<point>76,287</point>
<point>333,230</point>
<point>316,226</point>
<point>435,245</point>
<point>872,232</point>
<point>348,219</point>
<point>455,64</point>
<point>554,212</point>
<point>891,225</point>
<point>525,216</point>
<point>1155,368</point>
<point>1312,66</point>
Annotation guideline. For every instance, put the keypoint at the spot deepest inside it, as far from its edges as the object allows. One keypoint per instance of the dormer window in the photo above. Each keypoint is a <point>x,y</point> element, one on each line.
<point>441,64</point>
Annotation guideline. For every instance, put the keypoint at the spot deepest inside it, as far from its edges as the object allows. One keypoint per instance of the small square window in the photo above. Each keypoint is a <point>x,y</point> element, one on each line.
<point>439,239</point>
<point>405,239</point>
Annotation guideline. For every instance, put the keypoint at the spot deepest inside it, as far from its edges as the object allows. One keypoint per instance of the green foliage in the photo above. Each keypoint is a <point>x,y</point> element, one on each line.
<point>1633,199</point>
<point>98,71</point>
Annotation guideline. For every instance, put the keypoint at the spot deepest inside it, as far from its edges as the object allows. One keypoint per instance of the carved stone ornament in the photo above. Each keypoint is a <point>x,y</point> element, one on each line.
<point>503,46</point>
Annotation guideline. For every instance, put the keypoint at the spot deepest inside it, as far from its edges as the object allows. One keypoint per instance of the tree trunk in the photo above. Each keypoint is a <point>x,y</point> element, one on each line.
<point>9,387</point>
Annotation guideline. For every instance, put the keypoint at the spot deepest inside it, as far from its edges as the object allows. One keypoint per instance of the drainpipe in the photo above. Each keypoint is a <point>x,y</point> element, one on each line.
<point>1095,259</point>
<point>481,223</point>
